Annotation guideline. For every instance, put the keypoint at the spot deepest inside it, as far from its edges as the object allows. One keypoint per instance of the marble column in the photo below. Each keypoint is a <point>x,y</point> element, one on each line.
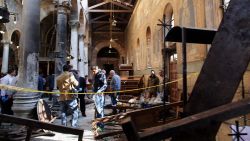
<point>5,58</point>
<point>61,37</point>
<point>25,102</point>
<point>83,56</point>
<point>74,44</point>
<point>85,59</point>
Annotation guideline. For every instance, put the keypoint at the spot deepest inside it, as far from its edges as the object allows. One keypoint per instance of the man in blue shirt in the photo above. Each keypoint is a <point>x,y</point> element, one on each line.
<point>115,85</point>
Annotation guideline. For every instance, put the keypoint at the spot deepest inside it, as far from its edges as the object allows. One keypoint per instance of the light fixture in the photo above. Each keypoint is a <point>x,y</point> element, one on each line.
<point>70,57</point>
<point>2,32</point>
<point>114,22</point>
<point>11,42</point>
<point>110,45</point>
<point>17,47</point>
<point>4,13</point>
<point>15,19</point>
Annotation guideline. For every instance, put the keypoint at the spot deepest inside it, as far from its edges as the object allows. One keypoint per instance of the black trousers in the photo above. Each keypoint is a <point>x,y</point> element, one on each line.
<point>82,103</point>
<point>6,106</point>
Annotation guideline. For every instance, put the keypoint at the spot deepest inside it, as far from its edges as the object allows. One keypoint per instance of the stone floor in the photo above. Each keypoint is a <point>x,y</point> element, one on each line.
<point>83,122</point>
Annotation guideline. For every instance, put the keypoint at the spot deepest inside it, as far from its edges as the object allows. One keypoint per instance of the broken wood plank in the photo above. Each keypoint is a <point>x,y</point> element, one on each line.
<point>130,130</point>
<point>193,122</point>
<point>41,125</point>
<point>138,112</point>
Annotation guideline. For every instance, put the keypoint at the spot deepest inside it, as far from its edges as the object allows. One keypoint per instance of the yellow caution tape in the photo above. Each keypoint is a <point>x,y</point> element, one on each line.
<point>20,89</point>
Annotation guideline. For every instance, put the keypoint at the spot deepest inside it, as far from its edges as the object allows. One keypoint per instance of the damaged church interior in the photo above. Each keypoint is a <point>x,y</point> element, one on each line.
<point>125,70</point>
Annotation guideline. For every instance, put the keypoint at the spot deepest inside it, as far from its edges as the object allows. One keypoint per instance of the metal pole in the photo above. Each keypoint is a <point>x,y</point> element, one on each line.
<point>165,97</point>
<point>243,97</point>
<point>184,66</point>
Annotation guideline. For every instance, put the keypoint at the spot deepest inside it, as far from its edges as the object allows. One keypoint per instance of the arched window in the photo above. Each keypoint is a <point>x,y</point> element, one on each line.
<point>148,44</point>
<point>169,20</point>
<point>137,50</point>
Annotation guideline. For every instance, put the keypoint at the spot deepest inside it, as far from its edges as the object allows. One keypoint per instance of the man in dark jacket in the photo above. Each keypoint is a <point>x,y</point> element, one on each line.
<point>99,86</point>
<point>82,89</point>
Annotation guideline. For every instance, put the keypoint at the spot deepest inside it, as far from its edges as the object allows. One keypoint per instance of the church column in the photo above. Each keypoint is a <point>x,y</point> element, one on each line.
<point>5,58</point>
<point>24,102</point>
<point>61,37</point>
<point>74,44</point>
<point>85,59</point>
<point>81,55</point>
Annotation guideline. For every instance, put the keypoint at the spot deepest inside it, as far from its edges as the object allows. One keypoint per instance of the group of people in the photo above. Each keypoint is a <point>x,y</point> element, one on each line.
<point>69,80</point>
<point>6,98</point>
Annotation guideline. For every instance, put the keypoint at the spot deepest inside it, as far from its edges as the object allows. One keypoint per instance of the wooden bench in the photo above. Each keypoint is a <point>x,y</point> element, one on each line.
<point>34,124</point>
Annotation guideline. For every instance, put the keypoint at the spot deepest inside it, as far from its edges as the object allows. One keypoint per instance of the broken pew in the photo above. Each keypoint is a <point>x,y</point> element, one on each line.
<point>143,118</point>
<point>34,124</point>
<point>188,124</point>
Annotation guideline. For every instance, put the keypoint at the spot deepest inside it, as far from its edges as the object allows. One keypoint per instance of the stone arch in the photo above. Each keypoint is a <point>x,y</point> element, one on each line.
<point>47,8</point>
<point>15,40</point>
<point>48,34</point>
<point>168,11</point>
<point>148,44</point>
<point>103,44</point>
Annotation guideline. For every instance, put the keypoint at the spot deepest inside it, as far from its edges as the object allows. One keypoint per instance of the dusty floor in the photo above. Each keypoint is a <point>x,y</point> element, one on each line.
<point>83,122</point>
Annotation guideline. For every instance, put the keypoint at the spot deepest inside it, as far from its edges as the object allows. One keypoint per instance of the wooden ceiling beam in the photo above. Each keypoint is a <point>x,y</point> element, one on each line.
<point>99,22</point>
<point>99,26</point>
<point>105,32</point>
<point>121,5</point>
<point>99,17</point>
<point>98,5</point>
<point>108,11</point>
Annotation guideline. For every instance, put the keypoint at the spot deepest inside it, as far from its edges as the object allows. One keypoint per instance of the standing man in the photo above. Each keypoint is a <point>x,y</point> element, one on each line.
<point>115,85</point>
<point>153,80</point>
<point>7,95</point>
<point>82,89</point>
<point>66,82</point>
<point>99,86</point>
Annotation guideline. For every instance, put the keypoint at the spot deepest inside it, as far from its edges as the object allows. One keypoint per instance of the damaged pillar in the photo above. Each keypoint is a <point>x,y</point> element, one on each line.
<point>61,37</point>
<point>74,44</point>
<point>24,102</point>
<point>83,55</point>
<point>5,60</point>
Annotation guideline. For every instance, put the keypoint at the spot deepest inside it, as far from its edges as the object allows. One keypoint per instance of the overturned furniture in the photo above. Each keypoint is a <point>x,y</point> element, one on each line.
<point>216,85</point>
<point>142,118</point>
<point>34,124</point>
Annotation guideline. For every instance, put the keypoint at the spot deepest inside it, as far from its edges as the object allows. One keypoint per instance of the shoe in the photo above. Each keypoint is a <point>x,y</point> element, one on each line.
<point>83,114</point>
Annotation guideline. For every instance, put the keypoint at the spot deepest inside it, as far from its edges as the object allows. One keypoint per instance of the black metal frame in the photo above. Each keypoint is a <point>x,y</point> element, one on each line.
<point>188,35</point>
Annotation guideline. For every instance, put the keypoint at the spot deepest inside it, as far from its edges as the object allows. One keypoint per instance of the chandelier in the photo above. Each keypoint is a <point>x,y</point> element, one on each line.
<point>4,13</point>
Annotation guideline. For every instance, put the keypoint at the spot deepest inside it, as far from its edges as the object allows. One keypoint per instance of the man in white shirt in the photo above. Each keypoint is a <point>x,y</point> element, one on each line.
<point>7,95</point>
